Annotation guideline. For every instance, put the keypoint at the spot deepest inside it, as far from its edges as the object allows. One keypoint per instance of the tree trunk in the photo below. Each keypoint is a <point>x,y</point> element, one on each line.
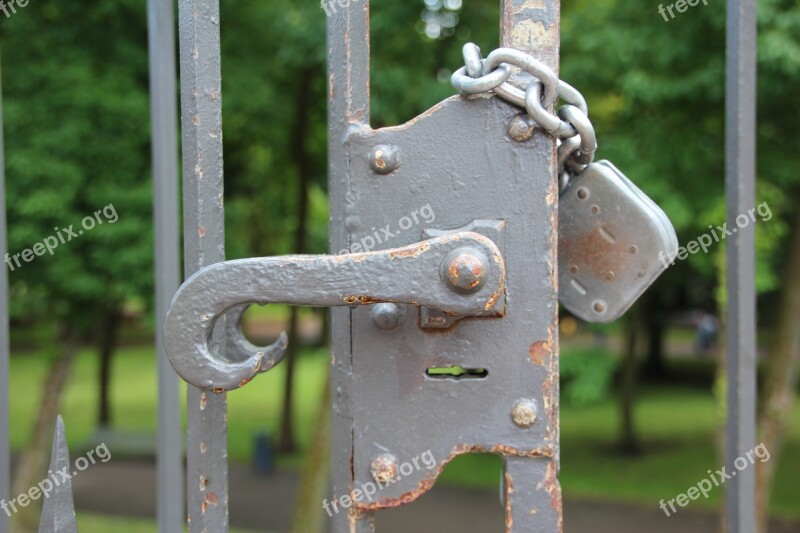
<point>655,317</point>
<point>286,442</point>
<point>33,461</point>
<point>107,345</point>
<point>780,383</point>
<point>302,162</point>
<point>628,374</point>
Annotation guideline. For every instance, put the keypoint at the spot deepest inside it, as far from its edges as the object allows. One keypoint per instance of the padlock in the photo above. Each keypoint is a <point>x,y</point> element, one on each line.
<point>613,241</point>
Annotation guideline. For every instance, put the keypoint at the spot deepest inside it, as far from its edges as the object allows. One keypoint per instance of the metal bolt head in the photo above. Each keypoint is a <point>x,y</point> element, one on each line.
<point>521,128</point>
<point>465,269</point>
<point>386,316</point>
<point>524,412</point>
<point>384,468</point>
<point>384,159</point>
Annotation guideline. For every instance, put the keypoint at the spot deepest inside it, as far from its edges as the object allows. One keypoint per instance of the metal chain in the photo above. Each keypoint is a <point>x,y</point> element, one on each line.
<point>526,82</point>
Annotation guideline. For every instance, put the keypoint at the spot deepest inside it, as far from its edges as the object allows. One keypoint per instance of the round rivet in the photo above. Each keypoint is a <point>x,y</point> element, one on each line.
<point>386,316</point>
<point>600,307</point>
<point>465,269</point>
<point>521,128</point>
<point>384,468</point>
<point>384,159</point>
<point>524,412</point>
<point>583,194</point>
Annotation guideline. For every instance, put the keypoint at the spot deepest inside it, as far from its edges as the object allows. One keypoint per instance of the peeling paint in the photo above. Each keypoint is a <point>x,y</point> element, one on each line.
<point>427,484</point>
<point>509,490</point>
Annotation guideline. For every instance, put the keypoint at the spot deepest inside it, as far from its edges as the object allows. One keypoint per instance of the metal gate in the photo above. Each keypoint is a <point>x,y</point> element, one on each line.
<point>445,337</point>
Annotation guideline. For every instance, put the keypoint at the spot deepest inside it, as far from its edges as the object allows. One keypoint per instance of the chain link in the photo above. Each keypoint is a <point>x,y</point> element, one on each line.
<point>526,82</point>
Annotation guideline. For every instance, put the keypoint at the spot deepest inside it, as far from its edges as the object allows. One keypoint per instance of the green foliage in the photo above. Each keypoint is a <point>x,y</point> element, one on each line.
<point>586,376</point>
<point>77,140</point>
<point>656,93</point>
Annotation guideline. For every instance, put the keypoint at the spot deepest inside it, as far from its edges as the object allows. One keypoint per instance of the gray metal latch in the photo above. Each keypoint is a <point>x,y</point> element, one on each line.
<point>461,273</point>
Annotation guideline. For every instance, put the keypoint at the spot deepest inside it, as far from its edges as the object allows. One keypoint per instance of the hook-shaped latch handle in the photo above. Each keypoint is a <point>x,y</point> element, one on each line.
<point>461,273</point>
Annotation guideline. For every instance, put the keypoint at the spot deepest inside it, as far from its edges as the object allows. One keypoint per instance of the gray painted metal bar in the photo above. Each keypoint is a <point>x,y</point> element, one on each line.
<point>741,318</point>
<point>204,244</point>
<point>349,106</point>
<point>5,452</point>
<point>164,125</point>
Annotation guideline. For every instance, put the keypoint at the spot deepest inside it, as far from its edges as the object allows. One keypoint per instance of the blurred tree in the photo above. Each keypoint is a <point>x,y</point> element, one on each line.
<point>656,91</point>
<point>76,113</point>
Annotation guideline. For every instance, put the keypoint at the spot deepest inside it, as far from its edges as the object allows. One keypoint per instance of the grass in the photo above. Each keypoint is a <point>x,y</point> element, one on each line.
<point>89,522</point>
<point>676,427</point>
<point>251,409</point>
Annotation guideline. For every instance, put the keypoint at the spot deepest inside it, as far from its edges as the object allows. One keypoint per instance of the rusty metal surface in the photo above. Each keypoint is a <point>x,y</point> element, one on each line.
<point>390,404</point>
<point>397,409</point>
<point>58,509</point>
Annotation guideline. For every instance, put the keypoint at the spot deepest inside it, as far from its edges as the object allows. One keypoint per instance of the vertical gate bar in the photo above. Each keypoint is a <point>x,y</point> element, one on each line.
<point>533,26</point>
<point>204,244</point>
<point>741,317</point>
<point>349,101</point>
<point>5,451</point>
<point>164,126</point>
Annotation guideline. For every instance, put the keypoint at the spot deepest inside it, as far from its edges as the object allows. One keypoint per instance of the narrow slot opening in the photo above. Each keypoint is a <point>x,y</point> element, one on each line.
<point>456,372</point>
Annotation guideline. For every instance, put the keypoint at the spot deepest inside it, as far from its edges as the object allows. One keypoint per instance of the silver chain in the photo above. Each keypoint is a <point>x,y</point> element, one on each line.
<point>526,82</point>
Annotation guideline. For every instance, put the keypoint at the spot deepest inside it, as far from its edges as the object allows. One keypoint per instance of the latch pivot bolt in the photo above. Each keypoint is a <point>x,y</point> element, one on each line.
<point>465,269</point>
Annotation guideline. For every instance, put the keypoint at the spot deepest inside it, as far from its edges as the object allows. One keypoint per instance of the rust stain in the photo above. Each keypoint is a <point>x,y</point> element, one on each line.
<point>498,259</point>
<point>509,491</point>
<point>597,251</point>
<point>363,300</point>
<point>553,487</point>
<point>550,199</point>
<point>217,390</point>
<point>412,251</point>
<point>201,231</point>
<point>550,389</point>
<point>539,351</point>
<point>212,498</point>
<point>452,271</point>
<point>380,162</point>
